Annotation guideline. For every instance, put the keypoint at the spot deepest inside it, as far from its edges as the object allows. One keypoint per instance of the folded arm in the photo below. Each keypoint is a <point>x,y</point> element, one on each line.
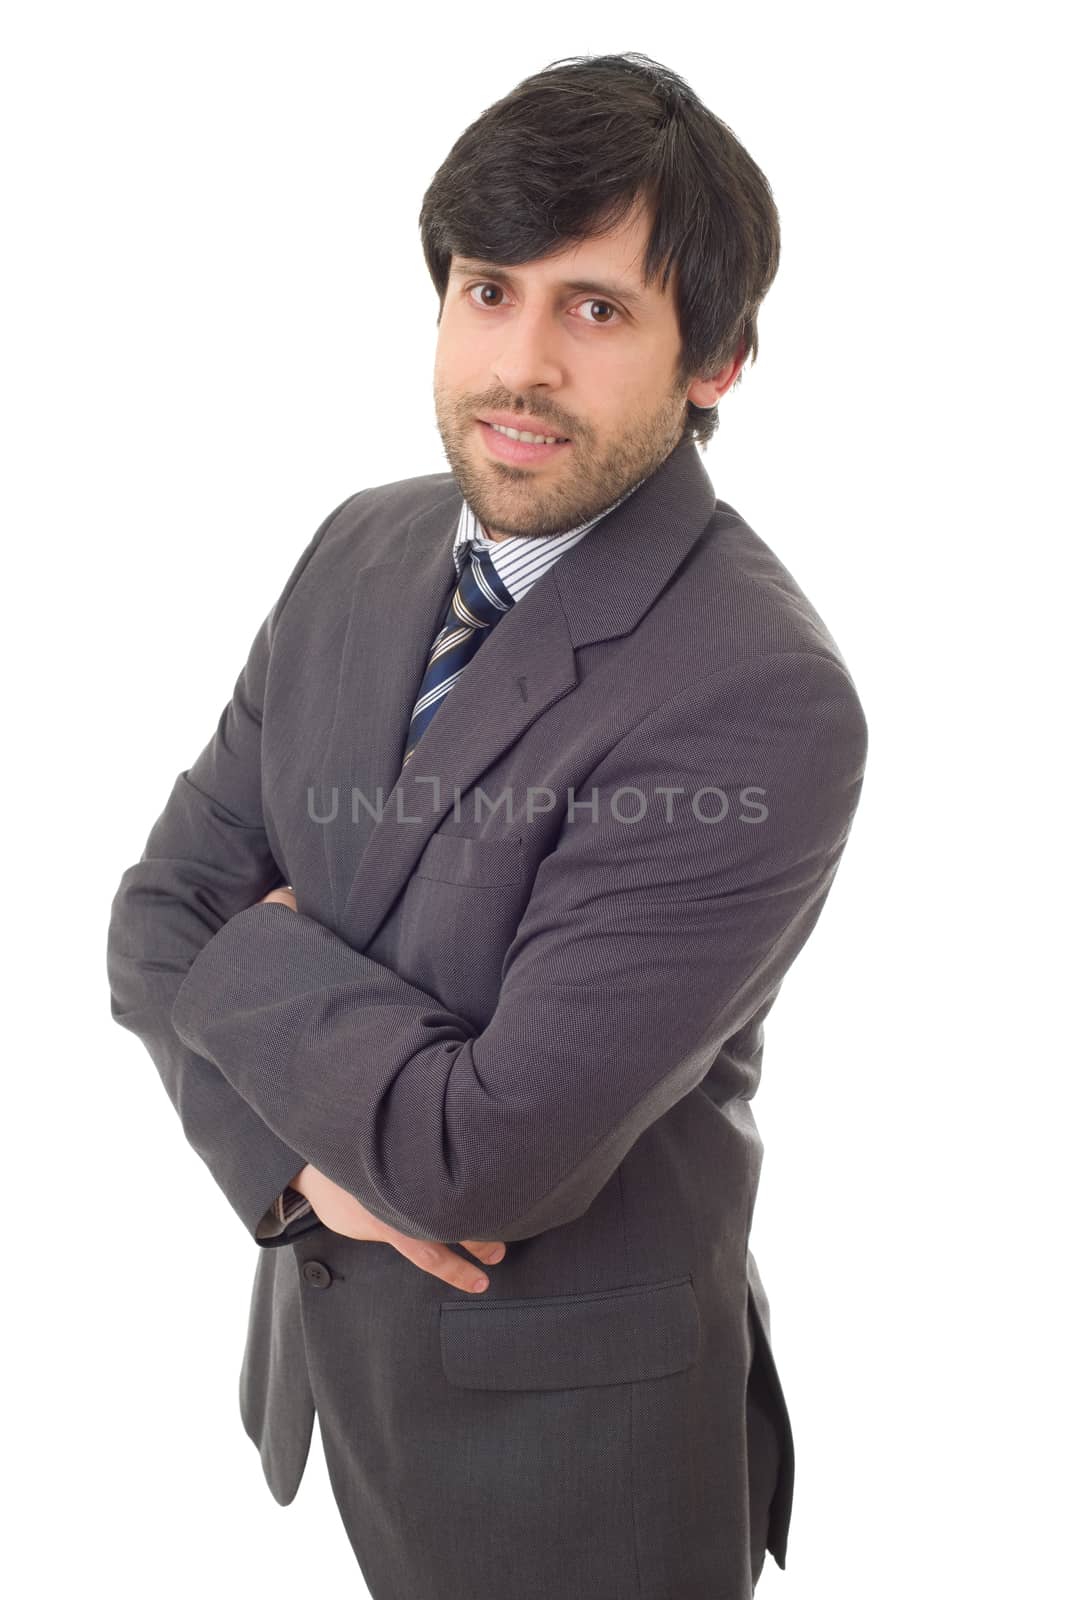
<point>207,858</point>
<point>644,946</point>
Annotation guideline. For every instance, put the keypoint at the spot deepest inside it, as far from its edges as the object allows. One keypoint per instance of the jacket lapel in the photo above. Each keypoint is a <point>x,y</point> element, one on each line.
<point>599,590</point>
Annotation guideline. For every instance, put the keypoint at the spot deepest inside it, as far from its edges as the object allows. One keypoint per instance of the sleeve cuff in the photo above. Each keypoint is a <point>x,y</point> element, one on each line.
<point>283,1209</point>
<point>290,1204</point>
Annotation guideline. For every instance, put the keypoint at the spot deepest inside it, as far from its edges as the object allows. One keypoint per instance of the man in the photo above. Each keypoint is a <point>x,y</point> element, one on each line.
<point>459,935</point>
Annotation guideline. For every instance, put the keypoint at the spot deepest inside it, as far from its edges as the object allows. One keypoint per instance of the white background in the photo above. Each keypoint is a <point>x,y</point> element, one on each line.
<point>217,325</point>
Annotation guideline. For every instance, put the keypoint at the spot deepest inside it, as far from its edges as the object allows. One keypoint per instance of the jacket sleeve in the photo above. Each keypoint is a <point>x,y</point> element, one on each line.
<point>644,946</point>
<point>207,857</point>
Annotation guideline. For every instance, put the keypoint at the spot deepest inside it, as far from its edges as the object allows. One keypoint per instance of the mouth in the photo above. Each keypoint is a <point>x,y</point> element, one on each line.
<point>505,445</point>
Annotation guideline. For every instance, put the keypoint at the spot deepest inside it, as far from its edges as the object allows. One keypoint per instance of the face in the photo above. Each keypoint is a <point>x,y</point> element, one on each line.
<point>573,345</point>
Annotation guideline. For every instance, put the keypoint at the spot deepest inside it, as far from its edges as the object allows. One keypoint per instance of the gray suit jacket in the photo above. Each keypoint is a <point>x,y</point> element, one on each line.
<point>523,999</point>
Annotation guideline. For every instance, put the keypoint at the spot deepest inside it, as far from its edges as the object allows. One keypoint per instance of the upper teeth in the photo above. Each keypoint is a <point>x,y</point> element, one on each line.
<point>527,438</point>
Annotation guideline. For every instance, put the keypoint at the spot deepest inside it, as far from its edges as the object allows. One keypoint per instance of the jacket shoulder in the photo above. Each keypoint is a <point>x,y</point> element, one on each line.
<point>366,525</point>
<point>762,608</point>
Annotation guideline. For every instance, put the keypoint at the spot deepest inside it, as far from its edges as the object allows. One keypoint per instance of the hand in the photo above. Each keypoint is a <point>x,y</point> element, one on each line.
<point>282,897</point>
<point>343,1213</point>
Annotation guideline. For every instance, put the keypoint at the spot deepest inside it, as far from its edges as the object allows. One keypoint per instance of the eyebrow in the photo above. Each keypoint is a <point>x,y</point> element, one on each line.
<point>615,291</point>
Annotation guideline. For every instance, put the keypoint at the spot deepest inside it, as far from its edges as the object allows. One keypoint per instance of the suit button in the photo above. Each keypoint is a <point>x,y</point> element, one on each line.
<point>318,1274</point>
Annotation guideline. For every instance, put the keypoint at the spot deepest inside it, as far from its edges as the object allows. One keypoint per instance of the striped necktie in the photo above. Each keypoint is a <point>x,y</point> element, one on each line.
<point>479,601</point>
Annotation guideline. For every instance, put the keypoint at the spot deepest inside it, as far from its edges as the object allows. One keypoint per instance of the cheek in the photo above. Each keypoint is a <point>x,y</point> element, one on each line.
<point>459,364</point>
<point>640,387</point>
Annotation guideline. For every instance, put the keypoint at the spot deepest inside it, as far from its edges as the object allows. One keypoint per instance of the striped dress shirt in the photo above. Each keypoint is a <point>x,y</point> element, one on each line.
<point>520,561</point>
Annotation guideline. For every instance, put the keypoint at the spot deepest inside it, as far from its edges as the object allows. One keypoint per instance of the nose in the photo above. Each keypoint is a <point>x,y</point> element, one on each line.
<point>527,353</point>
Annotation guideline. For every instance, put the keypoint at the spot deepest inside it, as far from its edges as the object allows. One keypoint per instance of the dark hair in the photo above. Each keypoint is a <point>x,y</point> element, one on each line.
<point>567,154</point>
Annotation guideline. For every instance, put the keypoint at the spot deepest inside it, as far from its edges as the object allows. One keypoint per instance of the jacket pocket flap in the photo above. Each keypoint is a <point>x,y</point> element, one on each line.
<point>571,1341</point>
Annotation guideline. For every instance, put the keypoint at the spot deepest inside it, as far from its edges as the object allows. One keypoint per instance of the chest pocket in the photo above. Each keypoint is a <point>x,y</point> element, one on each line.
<point>475,863</point>
<point>458,914</point>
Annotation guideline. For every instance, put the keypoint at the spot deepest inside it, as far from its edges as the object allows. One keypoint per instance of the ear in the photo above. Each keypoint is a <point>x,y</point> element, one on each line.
<point>709,391</point>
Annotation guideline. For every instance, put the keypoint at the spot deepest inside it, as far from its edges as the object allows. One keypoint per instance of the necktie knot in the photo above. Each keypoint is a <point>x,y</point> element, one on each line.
<point>481,597</point>
<point>478,602</point>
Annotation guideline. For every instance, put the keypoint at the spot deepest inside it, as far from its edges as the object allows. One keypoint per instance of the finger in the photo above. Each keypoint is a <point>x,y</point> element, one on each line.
<point>490,1252</point>
<point>443,1263</point>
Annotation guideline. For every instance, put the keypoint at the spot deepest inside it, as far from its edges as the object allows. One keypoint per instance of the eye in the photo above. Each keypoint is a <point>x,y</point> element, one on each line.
<point>474,287</point>
<point>607,307</point>
<point>597,322</point>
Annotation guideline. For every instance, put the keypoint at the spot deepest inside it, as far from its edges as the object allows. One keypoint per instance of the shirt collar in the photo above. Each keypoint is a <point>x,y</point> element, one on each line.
<point>520,561</point>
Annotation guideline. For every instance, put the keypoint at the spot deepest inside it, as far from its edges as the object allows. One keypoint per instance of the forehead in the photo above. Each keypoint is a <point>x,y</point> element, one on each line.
<point>607,263</point>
